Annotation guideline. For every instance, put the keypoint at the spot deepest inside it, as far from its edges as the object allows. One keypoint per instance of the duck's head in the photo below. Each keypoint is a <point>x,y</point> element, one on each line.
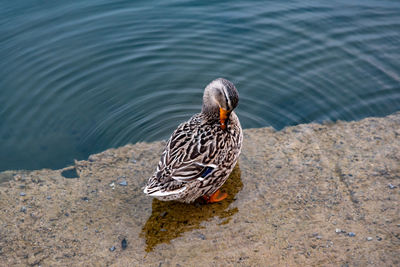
<point>220,99</point>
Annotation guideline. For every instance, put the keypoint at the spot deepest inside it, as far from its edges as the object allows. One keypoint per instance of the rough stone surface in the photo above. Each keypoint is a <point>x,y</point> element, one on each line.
<point>293,189</point>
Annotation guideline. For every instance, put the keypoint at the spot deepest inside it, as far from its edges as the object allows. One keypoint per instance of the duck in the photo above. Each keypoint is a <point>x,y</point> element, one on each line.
<point>202,152</point>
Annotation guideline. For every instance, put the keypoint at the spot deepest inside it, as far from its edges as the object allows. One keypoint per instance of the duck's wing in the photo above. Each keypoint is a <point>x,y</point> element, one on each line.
<point>193,171</point>
<point>189,155</point>
<point>191,152</point>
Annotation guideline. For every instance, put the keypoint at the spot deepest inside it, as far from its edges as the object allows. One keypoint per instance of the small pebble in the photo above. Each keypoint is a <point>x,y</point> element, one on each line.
<point>85,199</point>
<point>338,231</point>
<point>318,237</point>
<point>369,238</point>
<point>391,186</point>
<point>112,248</point>
<point>85,228</point>
<point>351,234</point>
<point>124,244</point>
<point>23,209</point>
<point>121,180</point>
<point>163,230</point>
<point>48,197</point>
<point>22,194</point>
<point>202,236</point>
<point>133,160</point>
<point>378,238</point>
<point>123,183</point>
<point>112,185</point>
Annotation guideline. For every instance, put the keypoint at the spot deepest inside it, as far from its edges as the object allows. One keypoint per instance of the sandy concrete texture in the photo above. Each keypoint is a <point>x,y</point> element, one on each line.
<point>308,195</point>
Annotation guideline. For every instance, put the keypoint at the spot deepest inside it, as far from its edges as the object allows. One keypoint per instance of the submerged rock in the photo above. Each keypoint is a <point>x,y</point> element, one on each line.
<point>289,188</point>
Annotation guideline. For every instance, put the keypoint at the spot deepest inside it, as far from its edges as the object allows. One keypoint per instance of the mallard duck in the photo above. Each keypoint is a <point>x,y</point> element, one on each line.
<point>201,152</point>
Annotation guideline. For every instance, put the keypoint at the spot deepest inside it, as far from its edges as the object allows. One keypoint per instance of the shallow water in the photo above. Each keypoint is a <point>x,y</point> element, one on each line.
<point>78,78</point>
<point>293,189</point>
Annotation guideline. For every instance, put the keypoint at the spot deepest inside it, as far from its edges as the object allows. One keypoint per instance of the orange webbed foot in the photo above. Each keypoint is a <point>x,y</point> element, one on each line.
<point>216,197</point>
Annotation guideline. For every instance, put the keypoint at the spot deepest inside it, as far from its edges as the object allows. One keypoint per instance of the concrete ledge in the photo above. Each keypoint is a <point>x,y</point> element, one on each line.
<point>307,195</point>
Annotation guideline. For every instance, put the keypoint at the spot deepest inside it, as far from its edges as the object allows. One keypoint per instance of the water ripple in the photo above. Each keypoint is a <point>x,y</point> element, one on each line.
<point>78,78</point>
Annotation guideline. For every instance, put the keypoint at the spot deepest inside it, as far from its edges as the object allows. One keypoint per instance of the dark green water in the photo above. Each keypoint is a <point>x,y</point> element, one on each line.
<point>78,77</point>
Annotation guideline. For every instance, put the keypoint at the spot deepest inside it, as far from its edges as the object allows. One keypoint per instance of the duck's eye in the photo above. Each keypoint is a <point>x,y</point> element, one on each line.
<point>219,93</point>
<point>220,96</point>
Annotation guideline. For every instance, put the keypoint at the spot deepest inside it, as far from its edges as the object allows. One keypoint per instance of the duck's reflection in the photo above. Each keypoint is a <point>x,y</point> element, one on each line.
<point>170,219</point>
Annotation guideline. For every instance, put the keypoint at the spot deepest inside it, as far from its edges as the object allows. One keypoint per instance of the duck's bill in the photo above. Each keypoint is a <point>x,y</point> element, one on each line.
<point>223,117</point>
